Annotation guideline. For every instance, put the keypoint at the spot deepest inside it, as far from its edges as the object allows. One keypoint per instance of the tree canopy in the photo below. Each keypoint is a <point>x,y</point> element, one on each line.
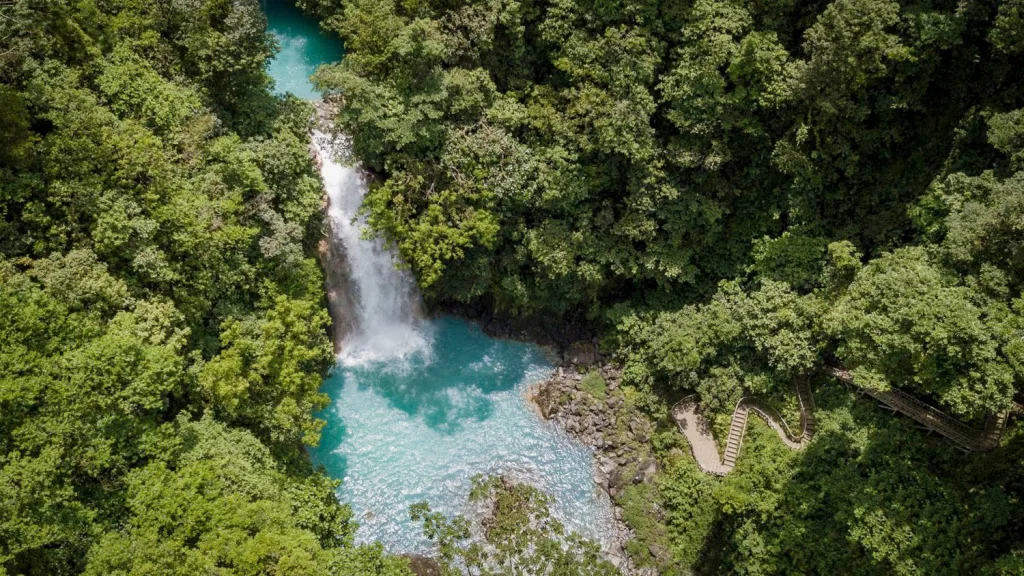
<point>163,335</point>
<point>734,195</point>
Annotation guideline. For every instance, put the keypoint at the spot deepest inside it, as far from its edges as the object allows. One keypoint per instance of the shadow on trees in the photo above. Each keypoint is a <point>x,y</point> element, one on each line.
<point>872,494</point>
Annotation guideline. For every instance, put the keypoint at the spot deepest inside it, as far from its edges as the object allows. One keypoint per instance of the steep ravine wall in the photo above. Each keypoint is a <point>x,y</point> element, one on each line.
<point>337,283</point>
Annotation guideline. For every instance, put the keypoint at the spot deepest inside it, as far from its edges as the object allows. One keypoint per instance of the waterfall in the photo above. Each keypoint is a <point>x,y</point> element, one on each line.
<point>375,305</point>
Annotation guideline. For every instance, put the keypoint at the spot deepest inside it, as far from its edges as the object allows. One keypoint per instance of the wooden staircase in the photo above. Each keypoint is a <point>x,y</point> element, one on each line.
<point>735,440</point>
<point>697,429</point>
<point>806,399</point>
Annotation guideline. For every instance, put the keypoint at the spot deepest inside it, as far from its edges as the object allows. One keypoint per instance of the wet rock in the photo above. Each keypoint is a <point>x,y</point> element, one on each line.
<point>423,566</point>
<point>547,401</point>
<point>648,469</point>
<point>607,466</point>
<point>582,353</point>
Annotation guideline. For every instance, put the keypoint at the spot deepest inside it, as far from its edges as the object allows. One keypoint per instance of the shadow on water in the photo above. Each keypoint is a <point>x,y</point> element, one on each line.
<point>447,389</point>
<point>334,462</point>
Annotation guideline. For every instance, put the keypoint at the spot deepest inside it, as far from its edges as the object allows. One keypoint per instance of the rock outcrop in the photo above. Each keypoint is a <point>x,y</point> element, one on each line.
<point>340,302</point>
<point>330,252</point>
<point>582,353</point>
<point>423,565</point>
<point>601,418</point>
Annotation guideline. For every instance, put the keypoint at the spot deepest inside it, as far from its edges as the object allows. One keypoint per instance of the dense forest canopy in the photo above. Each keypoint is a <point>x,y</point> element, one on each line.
<point>735,194</point>
<point>849,169</point>
<point>162,338</point>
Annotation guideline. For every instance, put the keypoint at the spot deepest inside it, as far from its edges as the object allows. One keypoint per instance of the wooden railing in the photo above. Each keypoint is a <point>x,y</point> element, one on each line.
<point>957,432</point>
<point>697,429</point>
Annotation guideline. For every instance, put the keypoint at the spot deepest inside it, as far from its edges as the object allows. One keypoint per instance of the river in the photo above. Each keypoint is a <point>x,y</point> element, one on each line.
<point>419,406</point>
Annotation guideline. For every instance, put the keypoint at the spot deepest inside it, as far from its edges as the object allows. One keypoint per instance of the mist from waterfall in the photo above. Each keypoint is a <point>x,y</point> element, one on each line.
<point>386,322</point>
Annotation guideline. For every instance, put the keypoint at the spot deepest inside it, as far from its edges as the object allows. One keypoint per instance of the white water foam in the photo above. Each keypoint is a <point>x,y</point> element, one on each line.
<point>388,324</point>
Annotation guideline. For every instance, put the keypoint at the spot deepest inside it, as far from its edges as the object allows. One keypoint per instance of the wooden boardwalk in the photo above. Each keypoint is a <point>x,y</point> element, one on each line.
<point>963,436</point>
<point>697,428</point>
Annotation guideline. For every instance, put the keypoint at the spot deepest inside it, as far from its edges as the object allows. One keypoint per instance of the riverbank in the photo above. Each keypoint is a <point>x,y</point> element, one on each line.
<point>588,402</point>
<point>573,339</point>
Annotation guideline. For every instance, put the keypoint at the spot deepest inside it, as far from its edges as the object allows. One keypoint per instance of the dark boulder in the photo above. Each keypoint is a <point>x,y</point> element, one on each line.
<point>423,566</point>
<point>583,353</point>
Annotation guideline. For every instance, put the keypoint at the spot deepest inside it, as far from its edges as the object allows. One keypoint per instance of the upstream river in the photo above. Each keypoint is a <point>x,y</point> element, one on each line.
<point>419,406</point>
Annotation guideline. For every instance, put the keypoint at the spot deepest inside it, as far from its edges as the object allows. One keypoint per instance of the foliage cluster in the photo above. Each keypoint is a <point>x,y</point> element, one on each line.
<point>520,537</point>
<point>162,327</point>
<point>572,155</point>
<point>941,318</point>
<point>710,177</point>
<point>593,383</point>
<point>742,193</point>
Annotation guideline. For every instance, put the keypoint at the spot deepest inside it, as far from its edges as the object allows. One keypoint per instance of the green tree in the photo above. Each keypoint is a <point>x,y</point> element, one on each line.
<point>903,322</point>
<point>520,536</point>
<point>216,501</point>
<point>739,343</point>
<point>268,374</point>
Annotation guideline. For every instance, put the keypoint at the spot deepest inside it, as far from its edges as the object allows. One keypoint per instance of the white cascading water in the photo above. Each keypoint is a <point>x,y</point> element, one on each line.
<point>386,319</point>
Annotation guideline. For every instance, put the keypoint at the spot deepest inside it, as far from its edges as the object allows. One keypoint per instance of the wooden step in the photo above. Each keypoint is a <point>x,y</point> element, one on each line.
<point>738,424</point>
<point>735,440</point>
